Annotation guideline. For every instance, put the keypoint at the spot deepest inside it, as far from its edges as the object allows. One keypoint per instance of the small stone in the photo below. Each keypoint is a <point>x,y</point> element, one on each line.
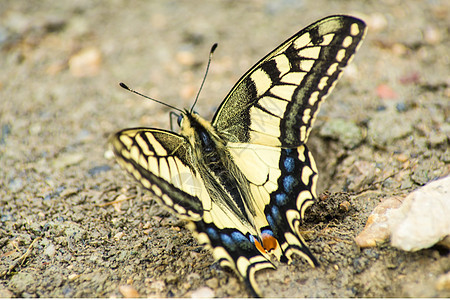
<point>5,293</point>
<point>443,282</point>
<point>345,206</point>
<point>188,92</point>
<point>432,35</point>
<point>16,185</point>
<point>377,227</point>
<point>68,192</point>
<point>128,291</point>
<point>203,292</point>
<point>72,277</point>
<point>22,281</point>
<point>171,279</point>
<point>50,250</point>
<point>109,154</point>
<point>85,63</point>
<point>377,21</point>
<point>157,286</point>
<point>98,169</point>
<point>212,283</point>
<point>381,132</point>
<point>402,157</point>
<point>386,92</point>
<point>67,159</point>
<point>422,219</point>
<point>186,58</point>
<point>437,138</point>
<point>119,235</point>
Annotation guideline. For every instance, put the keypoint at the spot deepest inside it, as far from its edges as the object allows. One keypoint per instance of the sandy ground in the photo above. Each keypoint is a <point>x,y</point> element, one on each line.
<point>384,131</point>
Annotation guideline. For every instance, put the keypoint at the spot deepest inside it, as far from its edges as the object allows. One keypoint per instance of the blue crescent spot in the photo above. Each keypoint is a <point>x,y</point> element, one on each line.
<point>229,244</point>
<point>212,233</point>
<point>238,237</point>
<point>288,183</point>
<point>270,221</point>
<point>289,164</point>
<point>267,231</point>
<point>281,199</point>
<point>252,238</point>
<point>275,212</point>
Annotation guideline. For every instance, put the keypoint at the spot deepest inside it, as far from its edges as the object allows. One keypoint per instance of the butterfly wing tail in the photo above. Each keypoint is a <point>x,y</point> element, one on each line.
<point>234,250</point>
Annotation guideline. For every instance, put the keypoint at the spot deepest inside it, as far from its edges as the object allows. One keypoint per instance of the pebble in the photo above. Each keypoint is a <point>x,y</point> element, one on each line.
<point>157,286</point>
<point>72,277</point>
<point>85,63</point>
<point>22,281</point>
<point>67,159</point>
<point>98,169</point>
<point>203,292</point>
<point>432,35</point>
<point>386,92</point>
<point>377,227</point>
<point>212,283</point>
<point>5,293</point>
<point>16,185</point>
<point>377,22</point>
<point>119,235</point>
<point>423,218</point>
<point>50,250</point>
<point>443,282</point>
<point>186,58</point>
<point>171,279</point>
<point>128,291</point>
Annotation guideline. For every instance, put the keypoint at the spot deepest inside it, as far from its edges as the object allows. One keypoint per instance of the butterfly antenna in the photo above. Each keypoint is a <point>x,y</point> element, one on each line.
<point>213,48</point>
<point>123,85</point>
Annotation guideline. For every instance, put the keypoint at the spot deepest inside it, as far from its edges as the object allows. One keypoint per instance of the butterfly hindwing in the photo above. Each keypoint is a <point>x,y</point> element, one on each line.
<point>283,184</point>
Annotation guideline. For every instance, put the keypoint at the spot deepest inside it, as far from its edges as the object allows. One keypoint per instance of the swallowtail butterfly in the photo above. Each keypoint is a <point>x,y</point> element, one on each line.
<point>244,180</point>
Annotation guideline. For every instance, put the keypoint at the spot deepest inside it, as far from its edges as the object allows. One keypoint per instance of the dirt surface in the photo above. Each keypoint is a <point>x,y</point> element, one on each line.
<point>383,131</point>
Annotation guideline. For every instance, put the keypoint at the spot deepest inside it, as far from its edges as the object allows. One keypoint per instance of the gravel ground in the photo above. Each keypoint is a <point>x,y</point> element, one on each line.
<point>74,225</point>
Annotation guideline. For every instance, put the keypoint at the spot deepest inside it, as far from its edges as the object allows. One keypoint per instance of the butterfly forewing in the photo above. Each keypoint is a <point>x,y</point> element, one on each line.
<point>275,103</point>
<point>158,159</point>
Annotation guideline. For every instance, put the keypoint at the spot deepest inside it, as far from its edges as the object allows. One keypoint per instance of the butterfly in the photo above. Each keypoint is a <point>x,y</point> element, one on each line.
<point>244,180</point>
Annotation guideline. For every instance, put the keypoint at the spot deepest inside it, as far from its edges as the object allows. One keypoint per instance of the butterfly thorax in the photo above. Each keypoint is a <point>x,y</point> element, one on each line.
<point>224,181</point>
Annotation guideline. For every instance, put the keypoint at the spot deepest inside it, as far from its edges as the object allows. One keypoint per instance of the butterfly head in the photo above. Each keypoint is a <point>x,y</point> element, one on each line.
<point>183,116</point>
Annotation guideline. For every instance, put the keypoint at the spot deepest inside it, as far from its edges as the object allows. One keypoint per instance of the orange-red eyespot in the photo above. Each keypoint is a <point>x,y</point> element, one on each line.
<point>259,247</point>
<point>269,242</point>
